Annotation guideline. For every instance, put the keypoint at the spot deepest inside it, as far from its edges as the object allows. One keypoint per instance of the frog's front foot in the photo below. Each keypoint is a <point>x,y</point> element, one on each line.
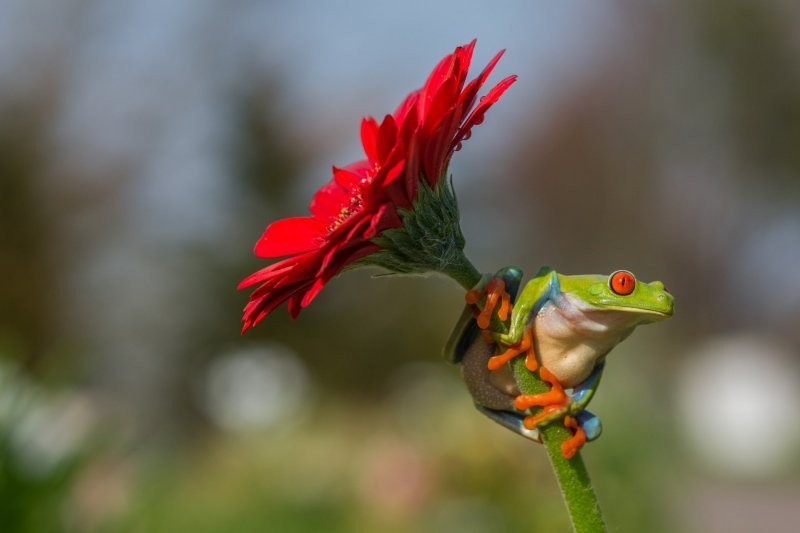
<point>555,405</point>
<point>523,346</point>
<point>495,293</point>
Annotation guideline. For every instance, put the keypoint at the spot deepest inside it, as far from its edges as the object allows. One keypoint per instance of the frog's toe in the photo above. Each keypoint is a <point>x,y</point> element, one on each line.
<point>572,445</point>
<point>590,423</point>
<point>555,397</point>
<point>586,427</point>
<point>512,421</point>
<point>524,346</point>
<point>495,296</point>
<point>512,276</point>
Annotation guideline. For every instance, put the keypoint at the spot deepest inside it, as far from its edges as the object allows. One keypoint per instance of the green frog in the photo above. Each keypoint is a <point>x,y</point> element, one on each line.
<point>564,326</point>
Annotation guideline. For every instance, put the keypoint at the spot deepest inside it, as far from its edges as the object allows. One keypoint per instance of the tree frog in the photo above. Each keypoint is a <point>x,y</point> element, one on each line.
<point>565,326</point>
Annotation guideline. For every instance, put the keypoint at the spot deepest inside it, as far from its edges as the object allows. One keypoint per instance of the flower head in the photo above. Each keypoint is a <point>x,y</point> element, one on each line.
<point>362,199</point>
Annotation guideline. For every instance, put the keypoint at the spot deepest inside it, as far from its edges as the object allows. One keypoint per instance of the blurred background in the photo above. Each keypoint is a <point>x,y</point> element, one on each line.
<point>144,146</point>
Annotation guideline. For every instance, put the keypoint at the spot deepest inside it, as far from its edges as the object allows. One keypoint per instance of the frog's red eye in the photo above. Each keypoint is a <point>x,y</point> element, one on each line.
<point>622,282</point>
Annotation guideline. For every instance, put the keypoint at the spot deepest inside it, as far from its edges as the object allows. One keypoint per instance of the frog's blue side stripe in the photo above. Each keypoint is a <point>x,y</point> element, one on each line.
<point>587,386</point>
<point>552,292</point>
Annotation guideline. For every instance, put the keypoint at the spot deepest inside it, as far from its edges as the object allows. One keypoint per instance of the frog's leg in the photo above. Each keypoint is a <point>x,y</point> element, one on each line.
<point>584,391</point>
<point>557,404</point>
<point>571,446</point>
<point>493,397</point>
<point>532,296</point>
<point>581,396</point>
<point>503,290</point>
<point>524,346</point>
<point>494,292</point>
<point>519,338</point>
<point>512,421</point>
<point>590,423</point>
<point>465,329</point>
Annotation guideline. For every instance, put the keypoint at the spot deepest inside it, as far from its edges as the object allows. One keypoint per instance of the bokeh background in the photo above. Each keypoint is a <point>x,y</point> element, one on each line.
<point>145,145</point>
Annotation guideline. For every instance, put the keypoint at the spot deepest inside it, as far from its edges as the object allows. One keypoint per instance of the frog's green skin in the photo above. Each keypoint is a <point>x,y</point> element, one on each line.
<point>576,321</point>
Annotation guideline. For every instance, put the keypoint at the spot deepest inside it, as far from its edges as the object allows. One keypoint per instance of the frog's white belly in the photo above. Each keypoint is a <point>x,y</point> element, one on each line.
<point>570,336</point>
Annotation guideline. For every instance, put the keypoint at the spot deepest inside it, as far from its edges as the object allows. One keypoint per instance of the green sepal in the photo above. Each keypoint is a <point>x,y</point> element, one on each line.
<point>430,239</point>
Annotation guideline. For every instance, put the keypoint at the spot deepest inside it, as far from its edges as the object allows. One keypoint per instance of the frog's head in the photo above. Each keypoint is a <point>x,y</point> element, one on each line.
<point>621,291</point>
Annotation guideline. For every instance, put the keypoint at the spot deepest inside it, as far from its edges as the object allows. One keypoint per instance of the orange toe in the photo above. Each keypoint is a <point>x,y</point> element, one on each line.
<point>494,294</point>
<point>525,345</point>
<point>532,421</point>
<point>571,446</point>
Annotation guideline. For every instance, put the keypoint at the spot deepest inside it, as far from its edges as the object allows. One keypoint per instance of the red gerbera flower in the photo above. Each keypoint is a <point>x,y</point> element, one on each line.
<point>361,201</point>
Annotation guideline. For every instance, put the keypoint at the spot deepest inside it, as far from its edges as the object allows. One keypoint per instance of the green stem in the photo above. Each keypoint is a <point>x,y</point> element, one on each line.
<point>573,478</point>
<point>463,271</point>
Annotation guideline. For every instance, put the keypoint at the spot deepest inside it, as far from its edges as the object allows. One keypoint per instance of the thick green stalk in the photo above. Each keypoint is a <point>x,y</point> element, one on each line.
<point>464,272</point>
<point>573,478</point>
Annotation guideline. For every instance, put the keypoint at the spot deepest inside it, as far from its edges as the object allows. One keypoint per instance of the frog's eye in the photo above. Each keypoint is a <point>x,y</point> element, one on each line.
<point>622,282</point>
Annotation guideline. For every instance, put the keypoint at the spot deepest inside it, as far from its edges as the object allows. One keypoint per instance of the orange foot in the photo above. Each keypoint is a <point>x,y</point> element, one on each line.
<point>524,345</point>
<point>495,292</point>
<point>571,446</point>
<point>554,404</point>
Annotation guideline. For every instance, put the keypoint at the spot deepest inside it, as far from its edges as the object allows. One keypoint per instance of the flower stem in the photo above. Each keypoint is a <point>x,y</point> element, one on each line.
<point>463,272</point>
<point>573,478</point>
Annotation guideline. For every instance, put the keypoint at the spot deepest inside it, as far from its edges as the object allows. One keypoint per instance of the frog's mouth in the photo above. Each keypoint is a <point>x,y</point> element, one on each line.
<point>660,313</point>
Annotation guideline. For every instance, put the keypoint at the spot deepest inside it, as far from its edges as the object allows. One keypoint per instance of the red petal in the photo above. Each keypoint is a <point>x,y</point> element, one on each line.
<point>257,309</point>
<point>395,191</point>
<point>340,262</point>
<point>294,305</point>
<point>394,172</point>
<point>271,271</point>
<point>352,239</point>
<point>476,117</point>
<point>369,134</point>
<point>329,201</point>
<point>407,109</point>
<point>471,91</point>
<point>464,55</point>
<point>387,138</point>
<point>409,124</point>
<point>412,168</point>
<point>440,74</point>
<point>438,151</point>
<point>385,218</point>
<point>442,103</point>
<point>291,236</point>
<point>351,176</point>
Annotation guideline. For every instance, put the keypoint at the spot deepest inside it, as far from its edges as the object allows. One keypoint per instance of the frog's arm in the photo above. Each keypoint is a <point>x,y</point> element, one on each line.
<point>466,329</point>
<point>530,300</point>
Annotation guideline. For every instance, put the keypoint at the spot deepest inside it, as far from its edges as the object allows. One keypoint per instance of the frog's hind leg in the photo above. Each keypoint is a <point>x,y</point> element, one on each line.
<point>554,403</point>
<point>512,421</point>
<point>585,426</point>
<point>590,423</point>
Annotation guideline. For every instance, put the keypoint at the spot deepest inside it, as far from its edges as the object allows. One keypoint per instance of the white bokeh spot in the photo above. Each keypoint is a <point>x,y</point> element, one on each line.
<point>738,399</point>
